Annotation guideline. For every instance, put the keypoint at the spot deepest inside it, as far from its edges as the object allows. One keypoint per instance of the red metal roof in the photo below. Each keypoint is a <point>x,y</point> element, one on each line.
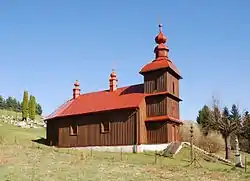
<point>160,64</point>
<point>124,97</point>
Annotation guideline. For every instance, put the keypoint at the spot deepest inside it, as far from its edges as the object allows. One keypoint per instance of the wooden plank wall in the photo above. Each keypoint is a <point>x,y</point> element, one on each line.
<point>157,132</point>
<point>165,81</point>
<point>173,132</point>
<point>173,108</point>
<point>142,126</point>
<point>172,81</point>
<point>52,132</point>
<point>149,81</point>
<point>156,105</point>
<point>122,129</point>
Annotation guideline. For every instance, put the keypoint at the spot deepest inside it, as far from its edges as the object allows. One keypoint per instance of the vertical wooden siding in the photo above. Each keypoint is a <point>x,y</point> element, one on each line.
<point>173,132</point>
<point>160,105</point>
<point>52,132</point>
<point>172,81</point>
<point>122,129</point>
<point>149,81</point>
<point>173,108</point>
<point>156,105</point>
<point>142,125</point>
<point>157,132</point>
<point>165,82</point>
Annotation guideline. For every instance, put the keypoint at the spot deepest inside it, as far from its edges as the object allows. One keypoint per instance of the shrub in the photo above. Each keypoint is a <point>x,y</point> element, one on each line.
<point>212,143</point>
<point>185,132</point>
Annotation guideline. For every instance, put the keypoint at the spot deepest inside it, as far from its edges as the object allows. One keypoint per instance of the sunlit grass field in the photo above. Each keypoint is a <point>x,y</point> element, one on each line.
<point>15,114</point>
<point>23,159</point>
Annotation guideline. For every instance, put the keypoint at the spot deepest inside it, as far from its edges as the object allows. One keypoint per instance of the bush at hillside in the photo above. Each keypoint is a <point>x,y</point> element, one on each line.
<point>212,143</point>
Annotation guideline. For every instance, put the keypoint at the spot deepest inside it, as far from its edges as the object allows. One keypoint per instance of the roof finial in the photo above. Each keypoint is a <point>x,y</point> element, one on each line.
<point>113,81</point>
<point>113,68</point>
<point>160,27</point>
<point>160,38</point>
<point>77,83</point>
<point>161,50</point>
<point>76,89</point>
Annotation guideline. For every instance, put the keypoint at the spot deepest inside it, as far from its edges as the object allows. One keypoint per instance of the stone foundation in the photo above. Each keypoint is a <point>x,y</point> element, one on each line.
<point>127,148</point>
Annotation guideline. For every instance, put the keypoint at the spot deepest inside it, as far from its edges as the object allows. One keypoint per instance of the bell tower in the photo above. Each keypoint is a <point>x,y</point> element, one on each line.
<point>161,84</point>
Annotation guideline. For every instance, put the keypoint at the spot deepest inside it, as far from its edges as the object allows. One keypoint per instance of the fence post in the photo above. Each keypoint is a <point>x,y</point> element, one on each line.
<point>81,156</point>
<point>245,164</point>
<point>91,152</point>
<point>191,143</point>
<point>155,156</point>
<point>121,154</point>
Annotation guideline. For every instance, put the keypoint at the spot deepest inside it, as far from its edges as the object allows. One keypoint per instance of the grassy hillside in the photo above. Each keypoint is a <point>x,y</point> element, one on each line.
<point>23,159</point>
<point>15,114</point>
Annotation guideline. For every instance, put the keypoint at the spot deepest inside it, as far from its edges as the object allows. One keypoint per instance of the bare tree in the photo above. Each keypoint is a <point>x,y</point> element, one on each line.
<point>220,121</point>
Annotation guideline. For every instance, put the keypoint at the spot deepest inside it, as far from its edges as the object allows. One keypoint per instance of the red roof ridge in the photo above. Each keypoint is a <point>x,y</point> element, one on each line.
<point>60,109</point>
<point>107,90</point>
<point>124,97</point>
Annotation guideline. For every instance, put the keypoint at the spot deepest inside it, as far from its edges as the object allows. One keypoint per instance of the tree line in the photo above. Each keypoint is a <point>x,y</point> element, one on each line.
<point>230,123</point>
<point>12,104</point>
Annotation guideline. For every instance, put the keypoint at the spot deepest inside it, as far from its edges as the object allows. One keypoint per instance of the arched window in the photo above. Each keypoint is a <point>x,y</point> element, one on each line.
<point>155,84</point>
<point>105,126</point>
<point>73,129</point>
<point>173,88</point>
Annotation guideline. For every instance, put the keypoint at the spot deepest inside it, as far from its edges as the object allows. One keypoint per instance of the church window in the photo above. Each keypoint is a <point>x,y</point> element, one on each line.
<point>155,84</point>
<point>173,87</point>
<point>73,129</point>
<point>105,126</point>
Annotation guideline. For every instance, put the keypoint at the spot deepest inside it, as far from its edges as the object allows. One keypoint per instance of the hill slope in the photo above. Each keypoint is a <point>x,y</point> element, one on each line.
<point>23,159</point>
<point>15,114</point>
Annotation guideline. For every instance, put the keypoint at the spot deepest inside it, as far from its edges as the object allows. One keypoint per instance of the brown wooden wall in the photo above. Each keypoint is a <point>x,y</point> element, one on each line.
<point>165,81</point>
<point>159,76</point>
<point>173,132</point>
<point>122,129</point>
<point>157,132</point>
<point>52,133</point>
<point>172,84</point>
<point>159,105</point>
<point>162,132</point>
<point>156,105</point>
<point>173,108</point>
<point>142,126</point>
<point>162,105</point>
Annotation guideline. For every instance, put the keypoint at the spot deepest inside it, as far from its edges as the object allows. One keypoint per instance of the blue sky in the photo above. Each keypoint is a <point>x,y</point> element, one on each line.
<point>46,45</point>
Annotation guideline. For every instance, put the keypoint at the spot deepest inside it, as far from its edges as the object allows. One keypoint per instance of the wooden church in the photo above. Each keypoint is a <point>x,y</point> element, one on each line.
<point>123,117</point>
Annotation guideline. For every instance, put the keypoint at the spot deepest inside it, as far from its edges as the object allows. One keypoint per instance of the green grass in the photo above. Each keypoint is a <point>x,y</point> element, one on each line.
<point>21,159</point>
<point>15,114</point>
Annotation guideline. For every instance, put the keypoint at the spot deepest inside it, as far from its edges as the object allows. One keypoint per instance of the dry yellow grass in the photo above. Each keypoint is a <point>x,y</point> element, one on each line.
<point>26,160</point>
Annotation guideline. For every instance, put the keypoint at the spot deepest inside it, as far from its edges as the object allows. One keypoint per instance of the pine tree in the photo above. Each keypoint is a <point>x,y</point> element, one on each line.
<point>39,110</point>
<point>2,102</point>
<point>32,107</point>
<point>30,102</point>
<point>203,119</point>
<point>9,103</point>
<point>25,105</point>
<point>15,104</point>
<point>19,107</point>
<point>246,130</point>
<point>236,117</point>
